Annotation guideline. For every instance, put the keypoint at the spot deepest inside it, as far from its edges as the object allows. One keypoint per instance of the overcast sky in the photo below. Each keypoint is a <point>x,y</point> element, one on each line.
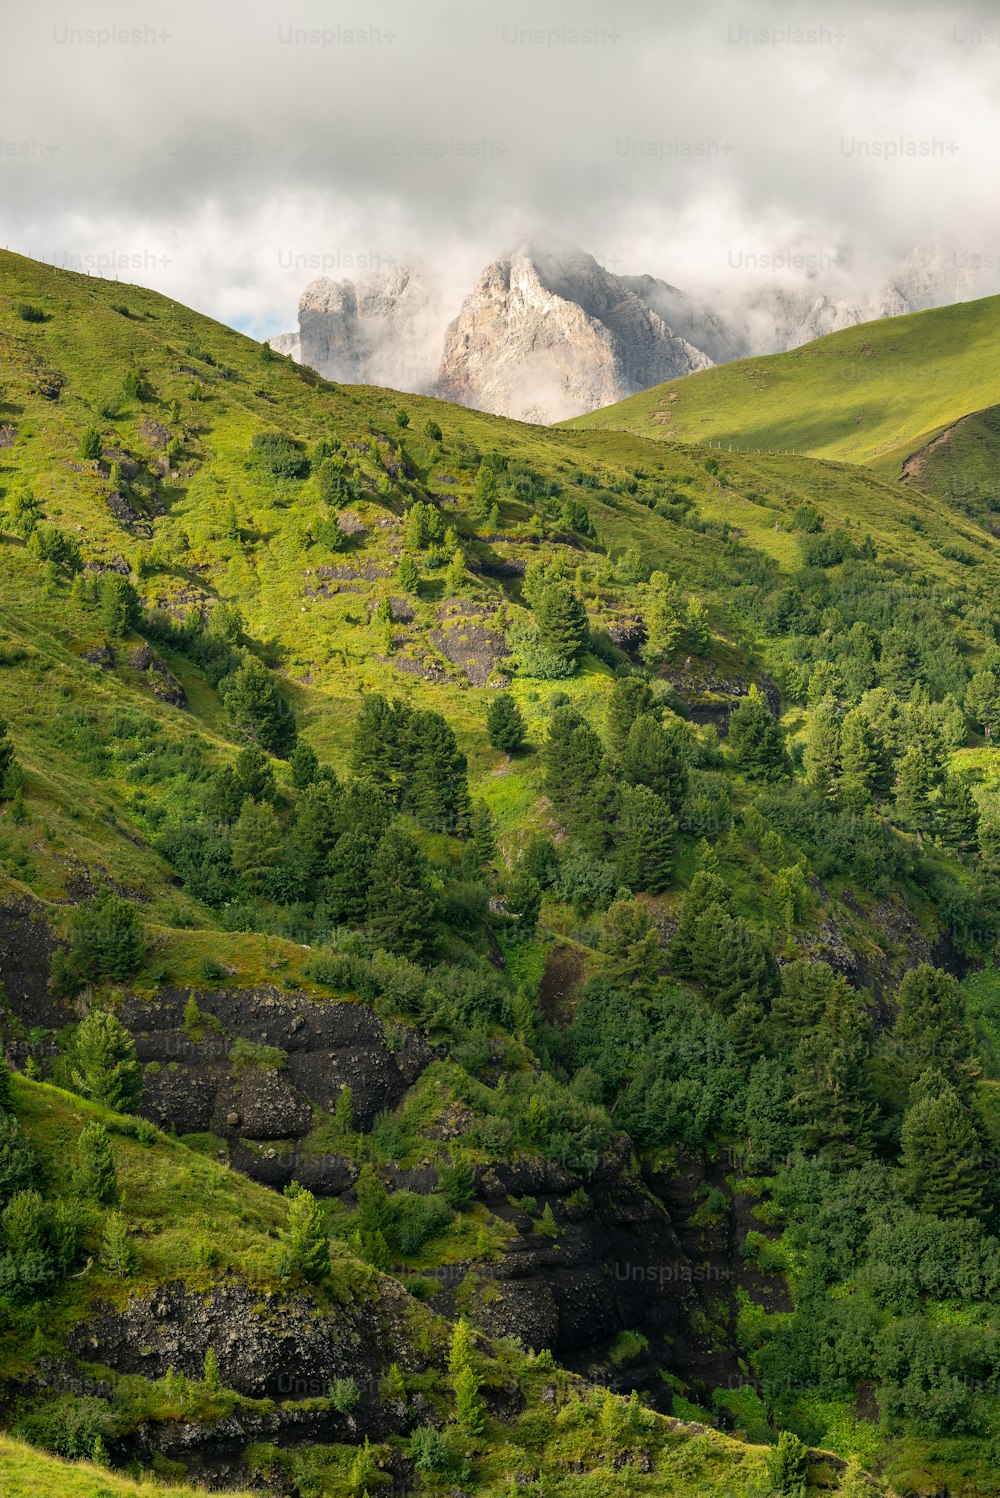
<point>227,153</point>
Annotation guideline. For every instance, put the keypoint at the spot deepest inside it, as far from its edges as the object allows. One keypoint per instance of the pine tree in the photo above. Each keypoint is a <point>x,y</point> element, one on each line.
<point>807,989</point>
<point>561,620</point>
<point>957,815</point>
<point>106,938</point>
<point>628,939</point>
<point>91,445</point>
<point>400,903</point>
<point>350,873</point>
<point>381,746</point>
<point>731,960</point>
<point>630,698</point>
<point>505,726</point>
<point>942,1156</point>
<point>755,741</point>
<point>483,492</point>
<point>696,632</point>
<point>318,823</point>
<point>118,1255</point>
<point>210,1375</point>
<point>258,843</point>
<point>645,840</point>
<point>707,891</point>
<point>119,605</point>
<point>864,762</point>
<point>663,618</point>
<point>8,761</point>
<point>914,780</point>
<point>821,758</point>
<point>436,786</point>
<point>482,836</point>
<point>456,574</point>
<point>256,709</point>
<point>106,1066</point>
<point>658,758</point>
<point>461,1354</point>
<point>408,575</point>
<point>932,1027</point>
<point>572,759</point>
<point>304,765</point>
<point>17,1163</point>
<point>254,775</point>
<point>830,1104</point>
<point>982,701</point>
<point>304,1251</point>
<point>96,1177</point>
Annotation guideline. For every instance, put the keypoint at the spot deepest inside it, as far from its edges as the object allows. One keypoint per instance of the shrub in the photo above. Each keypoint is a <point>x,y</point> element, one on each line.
<point>343,1395</point>
<point>279,456</point>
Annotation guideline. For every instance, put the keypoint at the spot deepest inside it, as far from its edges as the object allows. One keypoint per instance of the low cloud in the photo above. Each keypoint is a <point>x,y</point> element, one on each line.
<point>226,156</point>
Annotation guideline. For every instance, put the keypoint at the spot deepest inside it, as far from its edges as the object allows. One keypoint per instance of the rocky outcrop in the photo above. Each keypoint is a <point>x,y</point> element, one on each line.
<point>383,330</point>
<point>549,334</point>
<point>259,1063</point>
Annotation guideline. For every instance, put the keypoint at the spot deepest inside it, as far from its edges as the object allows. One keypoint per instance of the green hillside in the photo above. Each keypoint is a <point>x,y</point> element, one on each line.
<point>872,395</point>
<point>535,886</point>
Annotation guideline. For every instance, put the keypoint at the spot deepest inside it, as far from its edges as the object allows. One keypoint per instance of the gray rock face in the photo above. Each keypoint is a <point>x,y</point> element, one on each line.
<point>381,331</point>
<point>547,335</point>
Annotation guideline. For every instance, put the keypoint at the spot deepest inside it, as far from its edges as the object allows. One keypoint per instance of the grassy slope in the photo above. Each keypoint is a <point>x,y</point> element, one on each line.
<point>327,646</point>
<point>27,1473</point>
<point>871,394</point>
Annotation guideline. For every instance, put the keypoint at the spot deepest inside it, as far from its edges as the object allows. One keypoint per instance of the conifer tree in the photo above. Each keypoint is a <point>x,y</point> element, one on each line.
<point>96,1177</point>
<point>505,726</point>
<point>400,903</point>
<point>435,782</point>
<point>118,1255</point>
<point>932,1028</point>
<point>864,763</point>
<point>304,1252</point>
<point>258,843</point>
<point>561,620</point>
<point>304,765</point>
<point>106,1066</point>
<point>483,491</point>
<point>957,815</point>
<point>657,757</point>
<point>409,576</point>
<point>755,741</point>
<point>821,758</point>
<point>631,697</point>
<point>707,891</point>
<point>982,701</point>
<point>645,840</point>
<point>628,939</point>
<point>914,781</point>
<point>942,1156</point>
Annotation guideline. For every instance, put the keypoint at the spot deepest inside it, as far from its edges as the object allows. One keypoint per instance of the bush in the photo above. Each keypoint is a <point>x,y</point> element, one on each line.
<point>27,312</point>
<point>279,456</point>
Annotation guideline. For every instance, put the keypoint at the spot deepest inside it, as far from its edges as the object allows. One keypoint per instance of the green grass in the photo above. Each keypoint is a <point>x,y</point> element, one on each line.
<point>870,395</point>
<point>26,1472</point>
